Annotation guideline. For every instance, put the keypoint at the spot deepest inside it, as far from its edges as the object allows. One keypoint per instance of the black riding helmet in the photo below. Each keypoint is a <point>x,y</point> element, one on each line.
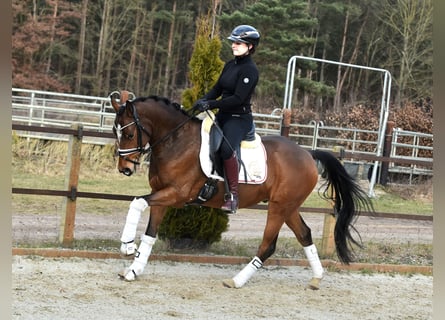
<point>247,34</point>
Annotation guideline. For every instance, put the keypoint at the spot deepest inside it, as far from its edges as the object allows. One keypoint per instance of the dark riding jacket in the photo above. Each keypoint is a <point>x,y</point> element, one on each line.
<point>235,86</point>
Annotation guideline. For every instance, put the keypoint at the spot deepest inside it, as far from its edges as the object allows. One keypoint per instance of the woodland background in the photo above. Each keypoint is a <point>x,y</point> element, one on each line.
<point>95,47</point>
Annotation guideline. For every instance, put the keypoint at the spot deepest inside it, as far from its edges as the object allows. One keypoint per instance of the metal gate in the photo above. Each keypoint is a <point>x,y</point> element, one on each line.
<point>384,109</point>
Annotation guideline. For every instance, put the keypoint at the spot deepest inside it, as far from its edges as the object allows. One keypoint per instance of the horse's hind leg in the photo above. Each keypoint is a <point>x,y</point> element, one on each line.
<point>303,233</point>
<point>265,250</point>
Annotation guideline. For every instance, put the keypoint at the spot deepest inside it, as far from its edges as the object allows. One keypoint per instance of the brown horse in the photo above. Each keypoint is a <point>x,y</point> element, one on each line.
<point>171,137</point>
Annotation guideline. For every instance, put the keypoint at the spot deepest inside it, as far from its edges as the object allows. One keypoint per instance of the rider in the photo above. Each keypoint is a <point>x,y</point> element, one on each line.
<point>234,87</point>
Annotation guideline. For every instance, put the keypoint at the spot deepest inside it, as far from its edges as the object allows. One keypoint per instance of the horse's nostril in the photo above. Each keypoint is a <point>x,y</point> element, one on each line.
<point>127,172</point>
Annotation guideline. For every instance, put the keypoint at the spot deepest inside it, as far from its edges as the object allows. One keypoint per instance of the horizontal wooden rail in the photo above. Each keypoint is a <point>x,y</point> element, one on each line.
<point>73,194</point>
<point>22,127</point>
<point>340,155</point>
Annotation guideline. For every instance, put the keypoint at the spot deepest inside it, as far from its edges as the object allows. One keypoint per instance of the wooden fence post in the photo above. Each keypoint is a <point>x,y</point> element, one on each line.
<point>66,235</point>
<point>327,241</point>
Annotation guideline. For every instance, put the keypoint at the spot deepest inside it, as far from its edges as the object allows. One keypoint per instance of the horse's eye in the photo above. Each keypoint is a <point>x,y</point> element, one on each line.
<point>130,136</point>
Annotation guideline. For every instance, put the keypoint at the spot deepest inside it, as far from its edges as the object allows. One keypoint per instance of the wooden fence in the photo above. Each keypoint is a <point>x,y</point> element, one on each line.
<point>70,192</point>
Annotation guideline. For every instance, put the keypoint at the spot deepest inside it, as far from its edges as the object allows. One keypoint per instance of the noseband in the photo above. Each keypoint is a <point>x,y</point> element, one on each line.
<point>123,153</point>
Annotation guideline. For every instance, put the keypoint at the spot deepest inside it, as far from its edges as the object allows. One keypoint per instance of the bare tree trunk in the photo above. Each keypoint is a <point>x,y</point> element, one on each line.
<point>153,62</point>
<point>313,33</point>
<point>103,36</point>
<point>34,10</point>
<point>81,46</point>
<point>108,53</point>
<point>175,61</point>
<point>337,98</point>
<point>169,52</point>
<point>146,78</point>
<point>354,54</point>
<point>319,102</point>
<point>52,36</point>
<point>216,4</point>
<point>129,83</point>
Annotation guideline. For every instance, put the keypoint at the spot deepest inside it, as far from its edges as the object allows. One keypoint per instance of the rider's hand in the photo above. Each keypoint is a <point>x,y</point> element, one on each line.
<point>201,105</point>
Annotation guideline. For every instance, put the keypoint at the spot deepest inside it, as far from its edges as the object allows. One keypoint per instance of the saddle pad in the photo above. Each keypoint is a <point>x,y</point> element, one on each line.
<point>253,155</point>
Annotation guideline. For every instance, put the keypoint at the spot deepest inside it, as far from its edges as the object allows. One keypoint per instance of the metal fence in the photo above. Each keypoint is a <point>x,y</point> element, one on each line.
<point>51,109</point>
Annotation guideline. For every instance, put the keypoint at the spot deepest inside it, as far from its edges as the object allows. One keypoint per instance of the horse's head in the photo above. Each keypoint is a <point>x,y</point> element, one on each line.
<point>131,136</point>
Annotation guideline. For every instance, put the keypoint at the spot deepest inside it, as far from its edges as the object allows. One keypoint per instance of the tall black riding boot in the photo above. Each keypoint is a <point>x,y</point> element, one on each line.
<point>231,172</point>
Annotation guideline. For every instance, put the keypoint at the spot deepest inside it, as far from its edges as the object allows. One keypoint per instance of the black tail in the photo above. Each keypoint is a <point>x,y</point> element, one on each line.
<point>349,200</point>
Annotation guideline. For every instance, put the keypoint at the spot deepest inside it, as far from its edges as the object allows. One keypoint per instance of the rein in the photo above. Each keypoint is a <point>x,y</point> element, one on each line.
<point>147,149</point>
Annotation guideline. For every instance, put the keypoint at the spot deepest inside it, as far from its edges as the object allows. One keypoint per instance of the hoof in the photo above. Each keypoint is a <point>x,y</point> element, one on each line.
<point>127,275</point>
<point>314,284</point>
<point>229,283</point>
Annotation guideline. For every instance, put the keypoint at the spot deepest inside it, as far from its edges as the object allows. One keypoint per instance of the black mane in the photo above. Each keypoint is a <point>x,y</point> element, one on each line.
<point>165,100</point>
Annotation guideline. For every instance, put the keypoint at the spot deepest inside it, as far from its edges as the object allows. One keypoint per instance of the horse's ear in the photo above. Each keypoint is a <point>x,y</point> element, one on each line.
<point>123,98</point>
<point>114,103</point>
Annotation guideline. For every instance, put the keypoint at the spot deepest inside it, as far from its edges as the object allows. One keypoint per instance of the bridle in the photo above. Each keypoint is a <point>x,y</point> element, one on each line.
<point>147,149</point>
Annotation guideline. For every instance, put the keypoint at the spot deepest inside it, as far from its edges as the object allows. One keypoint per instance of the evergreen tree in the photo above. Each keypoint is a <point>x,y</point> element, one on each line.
<point>205,63</point>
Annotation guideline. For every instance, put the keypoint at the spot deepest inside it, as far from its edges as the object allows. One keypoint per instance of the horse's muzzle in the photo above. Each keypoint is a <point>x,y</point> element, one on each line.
<point>127,166</point>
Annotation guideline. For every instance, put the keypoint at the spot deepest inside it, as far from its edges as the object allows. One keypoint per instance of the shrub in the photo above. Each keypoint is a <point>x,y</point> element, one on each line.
<point>193,227</point>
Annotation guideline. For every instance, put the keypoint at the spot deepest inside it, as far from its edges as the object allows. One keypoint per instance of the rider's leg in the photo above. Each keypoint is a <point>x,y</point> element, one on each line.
<point>234,129</point>
<point>231,172</point>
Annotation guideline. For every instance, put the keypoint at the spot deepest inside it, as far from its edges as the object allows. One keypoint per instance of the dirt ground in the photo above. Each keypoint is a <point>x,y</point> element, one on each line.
<point>29,228</point>
<point>75,288</point>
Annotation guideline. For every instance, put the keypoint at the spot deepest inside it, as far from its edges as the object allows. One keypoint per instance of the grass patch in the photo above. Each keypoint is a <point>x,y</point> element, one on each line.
<point>372,252</point>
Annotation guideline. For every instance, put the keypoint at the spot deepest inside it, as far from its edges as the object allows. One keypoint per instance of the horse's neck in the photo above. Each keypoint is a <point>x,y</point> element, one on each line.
<point>175,135</point>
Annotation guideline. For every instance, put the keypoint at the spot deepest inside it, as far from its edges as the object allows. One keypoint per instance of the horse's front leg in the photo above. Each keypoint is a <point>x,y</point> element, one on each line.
<point>137,206</point>
<point>146,245</point>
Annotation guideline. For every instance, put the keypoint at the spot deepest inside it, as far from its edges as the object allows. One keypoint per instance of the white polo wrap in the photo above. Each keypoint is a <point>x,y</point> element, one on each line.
<point>244,275</point>
<point>314,261</point>
<point>137,206</point>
